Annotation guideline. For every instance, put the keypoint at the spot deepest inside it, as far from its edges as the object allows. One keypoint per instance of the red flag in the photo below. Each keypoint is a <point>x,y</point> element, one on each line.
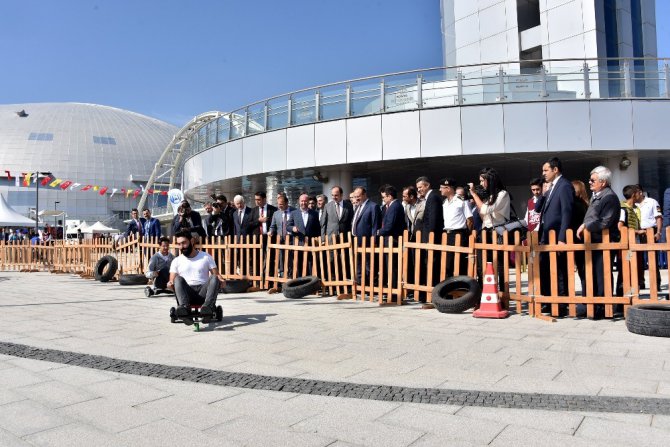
<point>103,191</point>
<point>65,185</point>
<point>9,176</point>
<point>87,187</point>
<point>123,190</point>
<point>151,191</point>
<point>164,193</point>
<point>136,193</point>
<point>45,181</point>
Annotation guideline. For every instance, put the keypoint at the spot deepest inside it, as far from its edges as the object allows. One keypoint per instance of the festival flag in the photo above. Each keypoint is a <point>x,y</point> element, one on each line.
<point>55,183</point>
<point>136,193</point>
<point>45,181</point>
<point>26,179</point>
<point>103,191</point>
<point>123,191</point>
<point>96,187</point>
<point>75,185</point>
<point>164,193</point>
<point>113,192</point>
<point>9,176</point>
<point>86,188</point>
<point>151,191</point>
<point>65,185</point>
<point>128,193</point>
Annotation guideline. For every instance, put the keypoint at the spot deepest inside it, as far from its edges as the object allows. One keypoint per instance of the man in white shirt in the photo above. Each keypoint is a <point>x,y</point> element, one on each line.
<point>650,217</point>
<point>457,217</point>
<point>195,280</point>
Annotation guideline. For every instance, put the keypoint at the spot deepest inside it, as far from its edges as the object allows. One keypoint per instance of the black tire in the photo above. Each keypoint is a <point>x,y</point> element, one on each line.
<point>301,287</point>
<point>649,319</point>
<point>173,315</point>
<point>219,313</point>
<point>237,286</point>
<point>133,280</point>
<point>446,301</point>
<point>105,268</point>
<point>148,291</point>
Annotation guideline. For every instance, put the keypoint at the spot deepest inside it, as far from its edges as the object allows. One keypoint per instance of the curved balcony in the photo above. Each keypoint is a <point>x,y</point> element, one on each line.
<point>505,82</point>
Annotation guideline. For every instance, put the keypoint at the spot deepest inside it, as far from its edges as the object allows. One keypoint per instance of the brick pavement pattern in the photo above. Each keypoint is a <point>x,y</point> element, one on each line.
<point>310,348</point>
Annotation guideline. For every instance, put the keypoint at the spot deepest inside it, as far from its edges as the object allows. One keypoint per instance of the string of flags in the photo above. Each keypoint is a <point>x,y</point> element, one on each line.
<point>28,178</point>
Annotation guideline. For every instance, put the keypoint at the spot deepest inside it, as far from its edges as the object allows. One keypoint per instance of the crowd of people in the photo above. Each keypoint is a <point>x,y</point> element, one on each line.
<point>556,205</point>
<point>43,236</point>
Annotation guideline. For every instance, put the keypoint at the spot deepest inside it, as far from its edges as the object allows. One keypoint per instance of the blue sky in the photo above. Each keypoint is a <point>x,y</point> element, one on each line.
<point>173,59</point>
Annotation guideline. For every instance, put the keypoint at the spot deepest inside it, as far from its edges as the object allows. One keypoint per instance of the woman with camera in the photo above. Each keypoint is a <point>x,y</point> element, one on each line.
<point>493,204</point>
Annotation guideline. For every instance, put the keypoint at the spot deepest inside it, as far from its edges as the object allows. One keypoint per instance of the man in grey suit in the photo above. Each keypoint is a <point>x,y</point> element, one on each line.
<point>337,215</point>
<point>279,226</point>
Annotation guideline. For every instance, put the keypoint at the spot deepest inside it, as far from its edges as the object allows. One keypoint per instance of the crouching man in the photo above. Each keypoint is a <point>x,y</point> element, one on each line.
<point>159,265</point>
<point>194,279</point>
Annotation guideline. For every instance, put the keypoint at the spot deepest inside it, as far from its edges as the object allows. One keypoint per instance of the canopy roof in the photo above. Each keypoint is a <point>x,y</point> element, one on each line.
<point>10,218</point>
<point>99,227</point>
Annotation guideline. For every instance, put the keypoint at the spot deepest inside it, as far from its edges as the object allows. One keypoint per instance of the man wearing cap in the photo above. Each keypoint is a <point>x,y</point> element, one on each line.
<point>457,222</point>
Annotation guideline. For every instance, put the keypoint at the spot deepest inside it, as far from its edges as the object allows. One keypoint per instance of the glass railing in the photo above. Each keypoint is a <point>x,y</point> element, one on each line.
<point>507,82</point>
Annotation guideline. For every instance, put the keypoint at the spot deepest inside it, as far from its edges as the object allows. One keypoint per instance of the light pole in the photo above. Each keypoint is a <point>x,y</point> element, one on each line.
<point>56,218</point>
<point>37,199</point>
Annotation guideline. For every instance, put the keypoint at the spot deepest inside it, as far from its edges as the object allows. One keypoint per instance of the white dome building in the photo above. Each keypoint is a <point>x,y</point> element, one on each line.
<point>82,143</point>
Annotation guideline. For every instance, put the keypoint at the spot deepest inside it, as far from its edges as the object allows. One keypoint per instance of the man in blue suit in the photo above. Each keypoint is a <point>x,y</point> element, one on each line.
<point>365,223</point>
<point>152,226</point>
<point>555,208</point>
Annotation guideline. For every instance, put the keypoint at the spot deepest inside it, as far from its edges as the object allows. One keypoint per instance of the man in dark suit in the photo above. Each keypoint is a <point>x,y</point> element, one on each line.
<point>136,225</point>
<point>261,216</point>
<point>187,219</point>
<point>393,214</point>
<point>227,212</point>
<point>555,208</point>
<point>337,215</point>
<point>242,217</point>
<point>365,223</point>
<point>304,224</point>
<point>603,213</point>
<point>433,222</point>
<point>279,226</point>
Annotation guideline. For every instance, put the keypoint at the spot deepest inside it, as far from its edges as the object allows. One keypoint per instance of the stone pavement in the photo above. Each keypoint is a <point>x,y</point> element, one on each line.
<point>348,371</point>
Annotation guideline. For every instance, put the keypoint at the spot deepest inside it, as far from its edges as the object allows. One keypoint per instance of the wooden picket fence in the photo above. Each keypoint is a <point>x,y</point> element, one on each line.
<point>383,270</point>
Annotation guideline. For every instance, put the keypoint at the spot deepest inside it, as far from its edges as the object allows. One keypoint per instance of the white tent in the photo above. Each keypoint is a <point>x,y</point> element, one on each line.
<point>99,227</point>
<point>82,226</point>
<point>10,218</point>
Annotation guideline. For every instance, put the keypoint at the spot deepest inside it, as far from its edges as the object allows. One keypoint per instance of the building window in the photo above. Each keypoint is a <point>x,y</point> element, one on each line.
<point>104,140</point>
<point>35,136</point>
<point>527,14</point>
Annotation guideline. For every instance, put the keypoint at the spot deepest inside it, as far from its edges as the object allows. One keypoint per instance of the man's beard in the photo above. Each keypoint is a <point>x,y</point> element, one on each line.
<point>186,251</point>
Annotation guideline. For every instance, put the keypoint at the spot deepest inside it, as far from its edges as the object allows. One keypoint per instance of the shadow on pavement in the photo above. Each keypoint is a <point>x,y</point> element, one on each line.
<point>241,321</point>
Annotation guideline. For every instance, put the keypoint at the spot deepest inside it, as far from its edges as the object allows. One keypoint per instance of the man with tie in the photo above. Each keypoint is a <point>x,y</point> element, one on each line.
<point>432,222</point>
<point>262,214</point>
<point>555,208</point>
<point>365,223</point>
<point>279,226</point>
<point>393,214</point>
<point>337,215</point>
<point>304,224</point>
<point>136,225</point>
<point>242,217</point>
<point>152,226</point>
<point>321,201</point>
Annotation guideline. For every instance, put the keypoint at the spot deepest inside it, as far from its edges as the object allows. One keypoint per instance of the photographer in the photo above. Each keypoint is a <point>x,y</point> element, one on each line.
<point>494,210</point>
<point>187,219</point>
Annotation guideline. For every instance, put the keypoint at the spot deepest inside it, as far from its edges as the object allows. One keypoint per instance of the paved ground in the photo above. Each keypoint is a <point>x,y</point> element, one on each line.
<point>348,370</point>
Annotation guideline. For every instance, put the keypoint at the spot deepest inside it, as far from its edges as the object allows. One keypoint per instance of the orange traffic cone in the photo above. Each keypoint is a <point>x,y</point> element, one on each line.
<point>490,305</point>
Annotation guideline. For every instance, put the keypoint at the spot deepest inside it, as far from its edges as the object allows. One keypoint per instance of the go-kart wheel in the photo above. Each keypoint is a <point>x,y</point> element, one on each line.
<point>148,291</point>
<point>173,315</point>
<point>219,313</point>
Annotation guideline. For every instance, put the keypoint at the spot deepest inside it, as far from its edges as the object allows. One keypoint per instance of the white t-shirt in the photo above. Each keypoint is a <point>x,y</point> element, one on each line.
<point>194,270</point>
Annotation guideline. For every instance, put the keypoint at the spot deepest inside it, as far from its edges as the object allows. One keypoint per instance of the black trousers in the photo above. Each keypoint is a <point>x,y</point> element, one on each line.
<point>450,268</point>
<point>561,273</point>
<point>491,235</point>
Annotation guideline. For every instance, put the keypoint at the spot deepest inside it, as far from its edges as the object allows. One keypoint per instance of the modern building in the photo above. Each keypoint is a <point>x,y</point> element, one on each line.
<point>85,144</point>
<point>523,80</point>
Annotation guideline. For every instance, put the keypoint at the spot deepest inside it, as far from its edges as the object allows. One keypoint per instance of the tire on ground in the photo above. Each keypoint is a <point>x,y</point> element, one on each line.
<point>447,296</point>
<point>649,319</point>
<point>301,287</point>
<point>133,280</point>
<point>237,286</point>
<point>105,268</point>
